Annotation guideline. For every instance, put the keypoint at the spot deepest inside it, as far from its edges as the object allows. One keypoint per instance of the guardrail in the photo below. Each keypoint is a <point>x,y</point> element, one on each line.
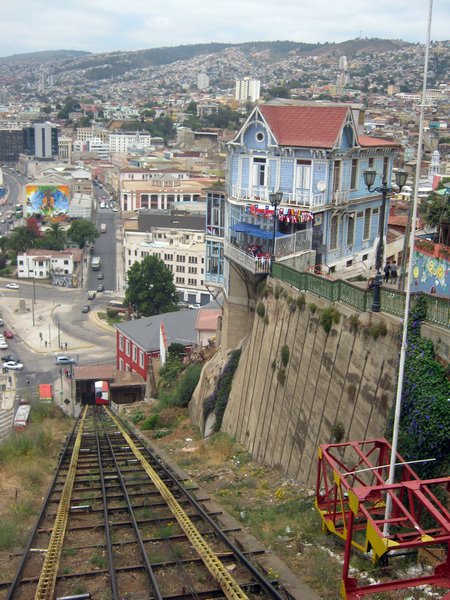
<point>338,290</point>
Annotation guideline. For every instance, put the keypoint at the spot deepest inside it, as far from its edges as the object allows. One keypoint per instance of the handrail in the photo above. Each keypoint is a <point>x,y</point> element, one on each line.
<point>339,290</point>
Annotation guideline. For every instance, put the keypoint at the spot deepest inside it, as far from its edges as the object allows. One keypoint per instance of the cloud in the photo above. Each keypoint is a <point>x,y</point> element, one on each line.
<point>104,25</point>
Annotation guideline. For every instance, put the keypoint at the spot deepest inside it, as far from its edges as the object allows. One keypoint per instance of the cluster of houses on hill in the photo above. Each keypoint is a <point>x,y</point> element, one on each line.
<point>294,193</point>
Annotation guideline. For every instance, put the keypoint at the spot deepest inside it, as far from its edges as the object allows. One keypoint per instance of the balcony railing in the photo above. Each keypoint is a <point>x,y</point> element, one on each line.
<point>299,198</point>
<point>341,197</point>
<point>288,245</point>
<point>392,301</point>
<point>254,264</point>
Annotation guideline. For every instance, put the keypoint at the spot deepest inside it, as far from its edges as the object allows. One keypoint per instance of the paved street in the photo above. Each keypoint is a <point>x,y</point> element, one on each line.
<point>36,345</point>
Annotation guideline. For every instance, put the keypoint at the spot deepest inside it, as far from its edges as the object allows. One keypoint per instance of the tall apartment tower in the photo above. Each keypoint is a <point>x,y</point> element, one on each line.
<point>41,140</point>
<point>247,89</point>
<point>202,81</point>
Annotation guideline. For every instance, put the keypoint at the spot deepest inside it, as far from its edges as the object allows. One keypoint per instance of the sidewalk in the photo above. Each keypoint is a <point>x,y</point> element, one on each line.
<point>36,327</point>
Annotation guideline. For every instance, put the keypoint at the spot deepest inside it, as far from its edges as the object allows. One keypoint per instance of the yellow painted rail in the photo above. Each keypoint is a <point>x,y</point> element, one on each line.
<point>47,580</point>
<point>230,587</point>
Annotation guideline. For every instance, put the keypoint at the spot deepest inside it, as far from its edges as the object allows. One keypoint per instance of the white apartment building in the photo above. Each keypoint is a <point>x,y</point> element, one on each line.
<point>65,148</point>
<point>202,81</point>
<point>98,147</point>
<point>178,239</point>
<point>247,89</point>
<point>121,143</point>
<point>60,266</point>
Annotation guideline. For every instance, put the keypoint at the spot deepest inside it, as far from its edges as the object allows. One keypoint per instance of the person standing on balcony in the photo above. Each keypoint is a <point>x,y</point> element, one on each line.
<point>393,272</point>
<point>387,271</point>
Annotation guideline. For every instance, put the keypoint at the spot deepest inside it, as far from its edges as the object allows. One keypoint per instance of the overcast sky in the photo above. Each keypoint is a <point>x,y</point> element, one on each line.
<point>106,25</point>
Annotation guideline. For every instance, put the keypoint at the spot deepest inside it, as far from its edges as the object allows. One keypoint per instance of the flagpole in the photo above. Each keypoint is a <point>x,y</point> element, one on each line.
<point>401,370</point>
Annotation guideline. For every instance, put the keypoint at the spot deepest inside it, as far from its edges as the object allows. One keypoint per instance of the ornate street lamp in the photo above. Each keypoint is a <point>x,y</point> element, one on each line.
<point>275,200</point>
<point>384,190</point>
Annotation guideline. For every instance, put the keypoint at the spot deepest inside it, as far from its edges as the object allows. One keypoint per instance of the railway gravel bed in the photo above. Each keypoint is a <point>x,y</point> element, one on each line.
<point>118,524</point>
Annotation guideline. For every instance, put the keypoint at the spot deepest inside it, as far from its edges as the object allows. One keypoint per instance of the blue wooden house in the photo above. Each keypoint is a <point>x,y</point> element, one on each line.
<point>314,156</point>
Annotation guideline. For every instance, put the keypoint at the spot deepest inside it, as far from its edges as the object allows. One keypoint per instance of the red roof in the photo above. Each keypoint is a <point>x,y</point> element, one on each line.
<point>312,126</point>
<point>305,126</point>
<point>368,141</point>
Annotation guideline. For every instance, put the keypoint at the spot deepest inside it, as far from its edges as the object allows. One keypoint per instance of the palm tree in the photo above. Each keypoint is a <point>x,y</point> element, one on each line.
<point>437,214</point>
<point>58,236</point>
<point>21,239</point>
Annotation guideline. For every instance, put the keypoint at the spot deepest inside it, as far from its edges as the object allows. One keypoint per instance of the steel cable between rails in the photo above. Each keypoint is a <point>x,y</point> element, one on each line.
<point>260,579</point>
<point>148,567</point>
<point>229,586</point>
<point>112,573</point>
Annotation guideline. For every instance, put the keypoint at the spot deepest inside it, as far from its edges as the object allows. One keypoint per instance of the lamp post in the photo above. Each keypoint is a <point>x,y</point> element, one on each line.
<point>275,200</point>
<point>384,190</point>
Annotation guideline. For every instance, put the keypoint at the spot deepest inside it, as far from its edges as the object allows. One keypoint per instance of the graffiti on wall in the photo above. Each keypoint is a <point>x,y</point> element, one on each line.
<point>50,201</point>
<point>431,275</point>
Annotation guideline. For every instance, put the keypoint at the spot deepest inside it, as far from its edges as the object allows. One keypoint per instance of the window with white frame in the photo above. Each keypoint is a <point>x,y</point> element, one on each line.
<point>354,174</point>
<point>134,353</point>
<point>351,229</point>
<point>336,176</point>
<point>259,172</point>
<point>127,347</point>
<point>367,222</point>
<point>141,359</point>
<point>303,175</point>
<point>120,342</point>
<point>334,232</point>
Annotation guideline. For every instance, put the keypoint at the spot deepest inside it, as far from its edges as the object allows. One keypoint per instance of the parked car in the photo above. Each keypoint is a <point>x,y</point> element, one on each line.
<point>12,286</point>
<point>9,358</point>
<point>100,287</point>
<point>13,365</point>
<point>100,276</point>
<point>3,345</point>
<point>8,333</point>
<point>65,360</point>
<point>91,295</point>
<point>85,308</point>
<point>2,323</point>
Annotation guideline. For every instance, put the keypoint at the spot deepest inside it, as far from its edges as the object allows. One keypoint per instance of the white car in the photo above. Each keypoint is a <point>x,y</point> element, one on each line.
<point>115,209</point>
<point>3,345</point>
<point>12,286</point>
<point>13,365</point>
<point>65,360</point>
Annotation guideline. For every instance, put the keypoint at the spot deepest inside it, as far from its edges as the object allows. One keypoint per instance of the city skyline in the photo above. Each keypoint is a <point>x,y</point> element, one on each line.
<point>110,25</point>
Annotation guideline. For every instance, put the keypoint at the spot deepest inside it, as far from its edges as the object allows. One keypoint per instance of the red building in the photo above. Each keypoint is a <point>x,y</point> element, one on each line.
<point>140,340</point>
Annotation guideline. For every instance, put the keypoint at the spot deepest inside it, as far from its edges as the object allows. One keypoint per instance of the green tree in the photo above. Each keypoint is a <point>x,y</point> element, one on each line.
<point>192,107</point>
<point>162,127</point>
<point>21,239</point>
<point>57,234</point>
<point>47,109</point>
<point>436,213</point>
<point>151,290</point>
<point>83,232</point>
<point>53,239</point>
<point>279,91</point>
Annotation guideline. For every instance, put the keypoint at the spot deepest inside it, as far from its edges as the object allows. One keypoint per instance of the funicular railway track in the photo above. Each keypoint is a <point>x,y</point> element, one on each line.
<point>117,524</point>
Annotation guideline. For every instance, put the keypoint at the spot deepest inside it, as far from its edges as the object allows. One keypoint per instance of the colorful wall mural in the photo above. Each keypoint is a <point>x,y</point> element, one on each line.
<point>49,201</point>
<point>431,274</point>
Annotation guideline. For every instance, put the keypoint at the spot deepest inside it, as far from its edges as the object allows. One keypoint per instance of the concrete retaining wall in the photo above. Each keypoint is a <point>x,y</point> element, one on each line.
<point>345,377</point>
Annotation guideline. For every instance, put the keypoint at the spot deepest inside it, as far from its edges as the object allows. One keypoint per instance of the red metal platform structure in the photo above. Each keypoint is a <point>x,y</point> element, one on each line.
<point>351,493</point>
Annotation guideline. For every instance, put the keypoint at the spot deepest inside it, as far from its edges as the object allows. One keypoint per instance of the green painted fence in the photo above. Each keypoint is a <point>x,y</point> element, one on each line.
<point>337,290</point>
